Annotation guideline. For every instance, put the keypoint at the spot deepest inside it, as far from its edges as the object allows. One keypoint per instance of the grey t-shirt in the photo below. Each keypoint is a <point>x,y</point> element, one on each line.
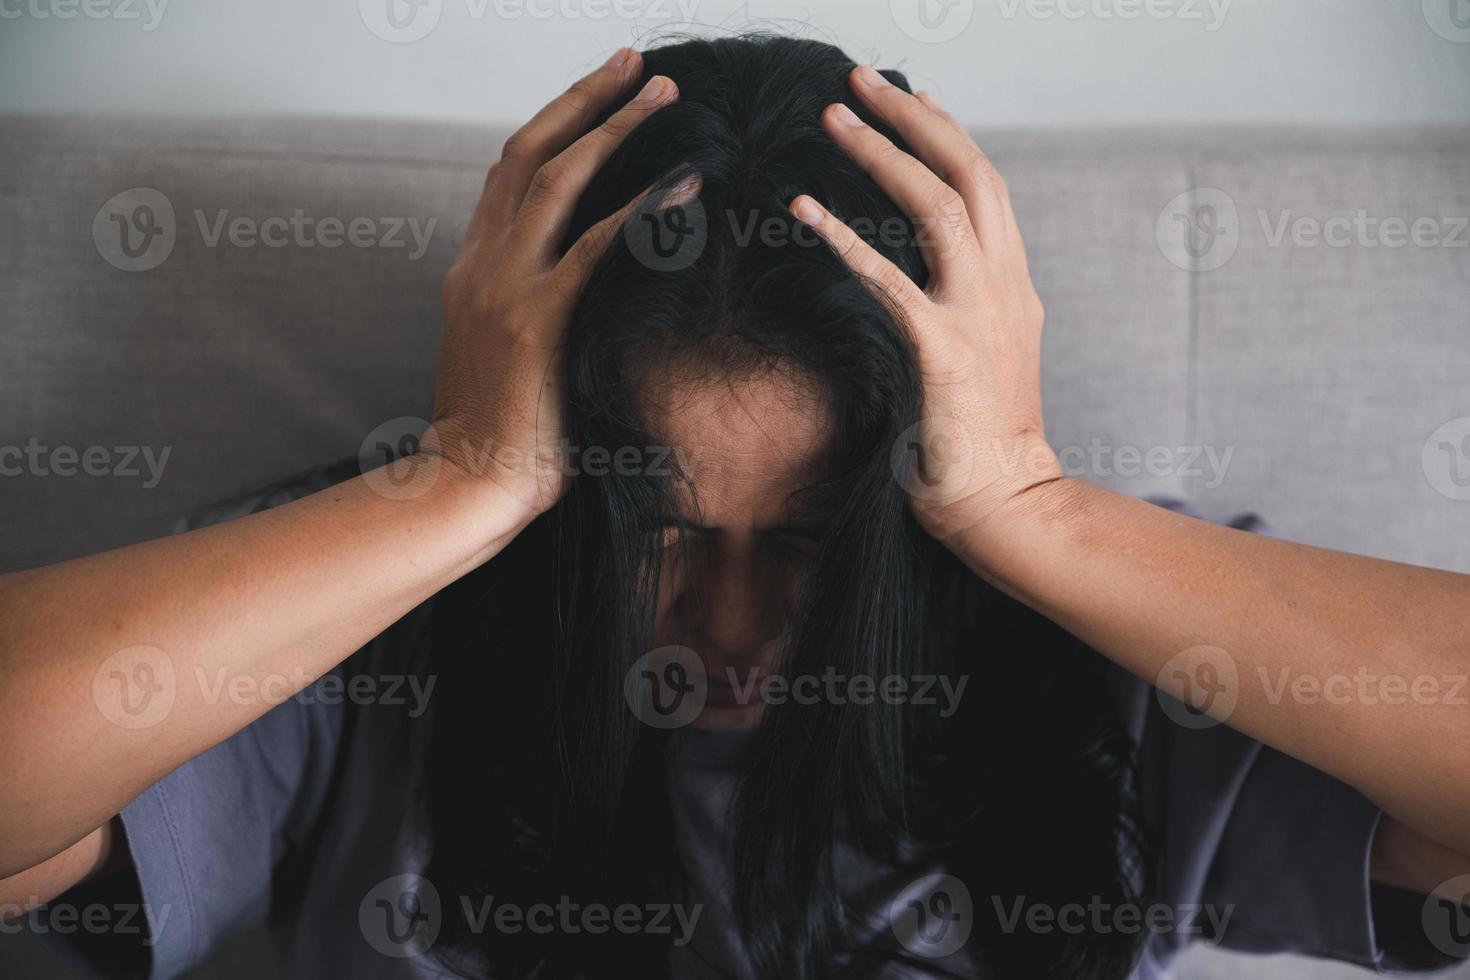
<point>299,821</point>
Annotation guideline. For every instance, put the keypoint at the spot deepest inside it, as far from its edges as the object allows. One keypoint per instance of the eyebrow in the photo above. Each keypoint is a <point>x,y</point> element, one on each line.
<point>812,511</point>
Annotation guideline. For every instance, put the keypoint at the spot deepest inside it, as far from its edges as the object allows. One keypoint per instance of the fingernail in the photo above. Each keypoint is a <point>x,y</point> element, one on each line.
<point>868,75</point>
<point>630,68</point>
<point>686,190</point>
<point>655,89</point>
<point>845,115</point>
<point>808,211</point>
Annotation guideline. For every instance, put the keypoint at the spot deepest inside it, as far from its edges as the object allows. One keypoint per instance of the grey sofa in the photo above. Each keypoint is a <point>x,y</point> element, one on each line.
<point>1202,340</point>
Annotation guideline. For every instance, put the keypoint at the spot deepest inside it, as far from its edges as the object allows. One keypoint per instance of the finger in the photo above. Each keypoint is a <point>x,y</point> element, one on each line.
<point>557,185</point>
<point>886,280</point>
<point>945,147</point>
<point>932,101</point>
<point>571,273</point>
<point>937,210</point>
<point>548,133</point>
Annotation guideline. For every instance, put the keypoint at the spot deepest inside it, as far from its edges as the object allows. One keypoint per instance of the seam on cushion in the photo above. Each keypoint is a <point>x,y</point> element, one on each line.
<point>191,959</point>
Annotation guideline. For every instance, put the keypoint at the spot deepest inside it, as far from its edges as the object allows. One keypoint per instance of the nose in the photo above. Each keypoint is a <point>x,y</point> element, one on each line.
<point>737,604</point>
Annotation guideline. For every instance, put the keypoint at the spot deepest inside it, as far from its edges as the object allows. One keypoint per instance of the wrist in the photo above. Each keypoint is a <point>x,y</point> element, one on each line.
<point>520,484</point>
<point>480,513</point>
<point>450,520</point>
<point>992,541</point>
<point>994,475</point>
<point>492,508</point>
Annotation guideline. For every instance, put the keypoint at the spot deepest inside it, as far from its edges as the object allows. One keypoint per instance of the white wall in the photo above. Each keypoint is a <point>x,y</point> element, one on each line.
<point>1010,62</point>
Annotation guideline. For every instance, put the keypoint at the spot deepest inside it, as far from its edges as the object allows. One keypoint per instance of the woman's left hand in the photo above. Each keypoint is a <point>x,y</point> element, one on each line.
<point>977,326</point>
<point>1157,593</point>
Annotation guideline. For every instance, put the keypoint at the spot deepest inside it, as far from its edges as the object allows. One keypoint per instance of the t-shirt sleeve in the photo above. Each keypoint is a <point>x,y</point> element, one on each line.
<point>1262,853</point>
<point>207,841</point>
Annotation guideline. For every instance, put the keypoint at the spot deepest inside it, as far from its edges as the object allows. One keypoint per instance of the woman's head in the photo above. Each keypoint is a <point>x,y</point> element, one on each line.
<point>724,329</point>
<point>763,390</point>
<point>742,526</point>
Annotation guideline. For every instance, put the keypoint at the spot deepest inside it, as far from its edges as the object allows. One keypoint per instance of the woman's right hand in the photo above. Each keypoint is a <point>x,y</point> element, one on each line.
<point>307,582</point>
<point>509,296</point>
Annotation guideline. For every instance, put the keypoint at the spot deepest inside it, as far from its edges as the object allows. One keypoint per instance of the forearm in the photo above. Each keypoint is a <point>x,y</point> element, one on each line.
<point>263,605</point>
<point>1353,665</point>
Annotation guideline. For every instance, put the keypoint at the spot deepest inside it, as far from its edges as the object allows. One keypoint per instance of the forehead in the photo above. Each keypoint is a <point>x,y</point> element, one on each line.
<point>748,442</point>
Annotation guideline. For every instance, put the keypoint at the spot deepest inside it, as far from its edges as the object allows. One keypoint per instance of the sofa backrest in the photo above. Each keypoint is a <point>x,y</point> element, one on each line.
<point>1273,321</point>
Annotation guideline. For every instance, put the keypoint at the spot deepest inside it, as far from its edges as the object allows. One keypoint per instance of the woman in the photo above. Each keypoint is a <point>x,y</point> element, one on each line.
<point>737,458</point>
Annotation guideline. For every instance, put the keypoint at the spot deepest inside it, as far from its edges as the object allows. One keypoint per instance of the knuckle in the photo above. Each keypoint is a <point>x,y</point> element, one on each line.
<point>619,123</point>
<point>893,288</point>
<point>986,174</point>
<point>949,208</point>
<point>894,283</point>
<point>485,305</point>
<point>885,146</point>
<point>912,108</point>
<point>585,252</point>
<point>971,170</point>
<point>583,248</point>
<point>850,248</point>
<point>547,179</point>
<point>582,93</point>
<point>518,146</point>
<point>975,172</point>
<point>584,259</point>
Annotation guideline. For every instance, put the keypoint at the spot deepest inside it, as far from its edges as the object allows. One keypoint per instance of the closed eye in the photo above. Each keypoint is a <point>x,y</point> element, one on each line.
<point>801,539</point>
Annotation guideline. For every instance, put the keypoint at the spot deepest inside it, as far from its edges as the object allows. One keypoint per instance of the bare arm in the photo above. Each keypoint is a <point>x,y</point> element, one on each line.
<point>1140,584</point>
<point>278,597</point>
<point>1355,666</point>
<point>110,666</point>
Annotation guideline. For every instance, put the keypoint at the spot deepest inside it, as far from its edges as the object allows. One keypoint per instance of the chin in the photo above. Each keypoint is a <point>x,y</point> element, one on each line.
<point>719,718</point>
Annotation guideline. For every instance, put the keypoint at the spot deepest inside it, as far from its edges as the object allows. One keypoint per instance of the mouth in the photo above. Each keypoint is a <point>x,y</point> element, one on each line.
<point>731,687</point>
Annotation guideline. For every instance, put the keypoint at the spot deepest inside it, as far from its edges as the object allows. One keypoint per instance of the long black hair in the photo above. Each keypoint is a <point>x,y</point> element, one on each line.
<point>542,784</point>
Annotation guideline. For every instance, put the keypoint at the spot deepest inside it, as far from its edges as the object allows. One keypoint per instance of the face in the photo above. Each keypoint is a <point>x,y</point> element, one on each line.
<point>730,581</point>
